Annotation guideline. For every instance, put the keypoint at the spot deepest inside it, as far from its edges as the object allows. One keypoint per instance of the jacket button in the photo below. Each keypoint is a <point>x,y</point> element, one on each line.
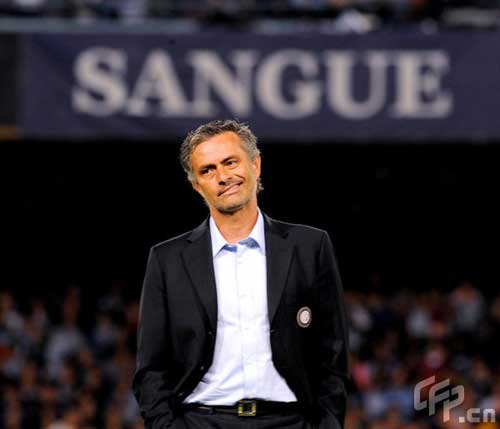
<point>180,394</point>
<point>202,367</point>
<point>209,333</point>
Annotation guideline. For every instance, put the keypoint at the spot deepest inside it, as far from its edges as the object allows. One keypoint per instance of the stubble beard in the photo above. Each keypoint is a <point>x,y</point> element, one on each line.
<point>230,209</point>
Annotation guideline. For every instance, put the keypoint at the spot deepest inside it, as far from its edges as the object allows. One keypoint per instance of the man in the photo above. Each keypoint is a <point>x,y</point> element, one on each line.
<point>242,321</point>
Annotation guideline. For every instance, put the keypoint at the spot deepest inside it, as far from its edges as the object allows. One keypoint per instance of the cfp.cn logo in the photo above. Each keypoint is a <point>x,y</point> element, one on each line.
<point>439,393</point>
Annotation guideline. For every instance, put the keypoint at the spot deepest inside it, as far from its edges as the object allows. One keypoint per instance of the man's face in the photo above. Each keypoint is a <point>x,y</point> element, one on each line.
<point>225,176</point>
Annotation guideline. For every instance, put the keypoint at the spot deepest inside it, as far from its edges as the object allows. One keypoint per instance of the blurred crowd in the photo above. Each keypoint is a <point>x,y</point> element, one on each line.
<point>66,363</point>
<point>67,360</point>
<point>400,340</point>
<point>342,15</point>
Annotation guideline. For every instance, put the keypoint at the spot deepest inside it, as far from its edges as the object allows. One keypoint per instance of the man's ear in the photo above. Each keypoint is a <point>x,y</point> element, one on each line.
<point>256,165</point>
<point>196,187</point>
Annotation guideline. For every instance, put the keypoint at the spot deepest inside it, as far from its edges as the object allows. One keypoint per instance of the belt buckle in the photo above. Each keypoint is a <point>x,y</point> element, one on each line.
<point>247,408</point>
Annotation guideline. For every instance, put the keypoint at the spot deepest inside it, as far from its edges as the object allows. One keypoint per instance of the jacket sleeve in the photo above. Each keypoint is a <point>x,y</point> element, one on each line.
<point>150,380</point>
<point>334,365</point>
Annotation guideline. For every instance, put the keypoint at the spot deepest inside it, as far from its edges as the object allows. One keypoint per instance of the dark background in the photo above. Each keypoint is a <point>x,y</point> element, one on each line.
<point>402,215</point>
<point>8,78</point>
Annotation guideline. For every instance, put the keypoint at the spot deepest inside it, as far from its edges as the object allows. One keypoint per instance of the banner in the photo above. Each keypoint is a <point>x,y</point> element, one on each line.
<point>294,87</point>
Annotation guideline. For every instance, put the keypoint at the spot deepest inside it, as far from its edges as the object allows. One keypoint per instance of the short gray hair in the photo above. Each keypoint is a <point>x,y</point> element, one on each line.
<point>212,129</point>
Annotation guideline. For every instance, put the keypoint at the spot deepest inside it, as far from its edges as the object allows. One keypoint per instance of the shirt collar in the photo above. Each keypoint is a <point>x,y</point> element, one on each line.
<point>257,233</point>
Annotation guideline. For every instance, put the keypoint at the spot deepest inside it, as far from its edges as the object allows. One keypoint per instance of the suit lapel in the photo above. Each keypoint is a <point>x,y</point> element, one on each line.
<point>279,255</point>
<point>197,258</point>
<point>198,262</point>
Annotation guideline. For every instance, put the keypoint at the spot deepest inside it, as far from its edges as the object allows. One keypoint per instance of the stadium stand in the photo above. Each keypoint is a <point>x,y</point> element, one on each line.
<point>379,13</point>
<point>58,371</point>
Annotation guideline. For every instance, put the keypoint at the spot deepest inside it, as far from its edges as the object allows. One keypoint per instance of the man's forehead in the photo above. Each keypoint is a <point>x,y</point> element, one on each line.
<point>218,148</point>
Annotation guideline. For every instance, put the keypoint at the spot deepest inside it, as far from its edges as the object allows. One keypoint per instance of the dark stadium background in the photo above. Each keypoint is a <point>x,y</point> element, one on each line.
<point>421,216</point>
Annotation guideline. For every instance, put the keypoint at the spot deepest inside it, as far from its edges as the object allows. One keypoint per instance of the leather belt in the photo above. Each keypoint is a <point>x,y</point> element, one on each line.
<point>245,408</point>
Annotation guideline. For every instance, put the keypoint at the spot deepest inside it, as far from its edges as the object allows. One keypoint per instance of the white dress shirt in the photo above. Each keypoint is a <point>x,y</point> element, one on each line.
<point>242,365</point>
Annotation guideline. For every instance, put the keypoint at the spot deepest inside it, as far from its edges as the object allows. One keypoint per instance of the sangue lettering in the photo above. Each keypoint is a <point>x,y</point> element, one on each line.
<point>286,84</point>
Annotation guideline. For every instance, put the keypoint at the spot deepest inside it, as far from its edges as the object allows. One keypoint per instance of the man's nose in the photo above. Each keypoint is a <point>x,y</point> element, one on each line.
<point>223,175</point>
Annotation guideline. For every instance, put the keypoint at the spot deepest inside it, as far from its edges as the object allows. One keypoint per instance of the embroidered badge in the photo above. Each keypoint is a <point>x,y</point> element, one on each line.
<point>304,317</point>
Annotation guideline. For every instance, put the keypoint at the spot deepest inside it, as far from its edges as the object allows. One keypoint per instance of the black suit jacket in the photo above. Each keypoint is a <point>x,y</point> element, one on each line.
<point>178,321</point>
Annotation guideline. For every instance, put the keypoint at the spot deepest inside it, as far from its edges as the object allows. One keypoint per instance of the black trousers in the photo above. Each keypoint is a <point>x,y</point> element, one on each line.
<point>194,419</point>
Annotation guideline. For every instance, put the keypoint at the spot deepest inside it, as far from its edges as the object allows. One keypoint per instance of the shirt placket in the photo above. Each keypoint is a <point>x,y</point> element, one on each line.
<point>246,322</point>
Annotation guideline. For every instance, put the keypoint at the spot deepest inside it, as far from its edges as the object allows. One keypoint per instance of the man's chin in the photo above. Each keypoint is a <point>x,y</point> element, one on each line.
<point>229,209</point>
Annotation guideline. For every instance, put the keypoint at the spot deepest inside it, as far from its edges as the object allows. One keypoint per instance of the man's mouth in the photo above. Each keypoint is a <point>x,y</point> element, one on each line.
<point>230,189</point>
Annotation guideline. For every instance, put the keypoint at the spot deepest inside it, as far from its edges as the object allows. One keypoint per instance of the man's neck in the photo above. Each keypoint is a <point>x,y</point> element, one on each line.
<point>236,226</point>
